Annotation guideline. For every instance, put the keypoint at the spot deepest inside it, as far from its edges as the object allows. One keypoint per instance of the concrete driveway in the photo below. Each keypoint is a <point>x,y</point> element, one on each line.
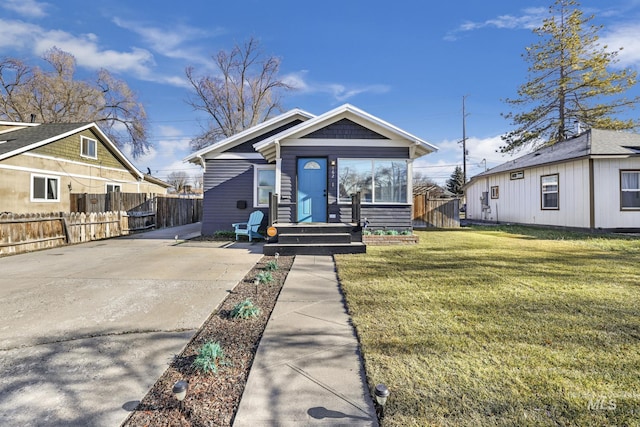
<point>86,330</point>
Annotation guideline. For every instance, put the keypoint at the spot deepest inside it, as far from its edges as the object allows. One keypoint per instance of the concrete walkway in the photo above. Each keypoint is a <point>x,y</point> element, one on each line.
<point>308,369</point>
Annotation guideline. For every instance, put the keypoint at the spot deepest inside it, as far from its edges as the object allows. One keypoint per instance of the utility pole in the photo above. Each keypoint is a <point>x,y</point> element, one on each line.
<point>464,142</point>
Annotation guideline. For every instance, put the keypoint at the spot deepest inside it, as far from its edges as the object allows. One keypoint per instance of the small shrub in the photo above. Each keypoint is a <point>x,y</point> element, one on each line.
<point>406,232</point>
<point>264,277</point>
<point>210,358</point>
<point>224,234</point>
<point>392,233</point>
<point>245,310</point>
<point>366,232</point>
<point>271,266</point>
<point>378,233</point>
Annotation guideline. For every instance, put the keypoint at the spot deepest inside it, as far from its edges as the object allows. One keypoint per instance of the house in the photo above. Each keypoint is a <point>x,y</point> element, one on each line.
<point>41,164</point>
<point>313,164</point>
<point>591,181</point>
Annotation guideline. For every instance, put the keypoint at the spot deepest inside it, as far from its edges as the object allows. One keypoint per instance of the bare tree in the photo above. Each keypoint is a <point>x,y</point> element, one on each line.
<point>420,178</point>
<point>56,96</point>
<point>178,180</point>
<point>198,180</point>
<point>246,91</point>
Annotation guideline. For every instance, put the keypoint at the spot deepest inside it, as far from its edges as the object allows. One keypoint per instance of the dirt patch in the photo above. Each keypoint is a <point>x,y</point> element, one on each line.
<point>213,399</point>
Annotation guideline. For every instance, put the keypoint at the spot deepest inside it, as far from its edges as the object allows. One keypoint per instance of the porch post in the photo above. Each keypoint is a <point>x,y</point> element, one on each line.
<point>278,170</point>
<point>273,208</point>
<point>355,208</point>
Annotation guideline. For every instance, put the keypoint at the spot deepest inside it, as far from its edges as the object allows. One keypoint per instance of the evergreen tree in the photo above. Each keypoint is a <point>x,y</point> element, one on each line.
<point>456,181</point>
<point>569,81</point>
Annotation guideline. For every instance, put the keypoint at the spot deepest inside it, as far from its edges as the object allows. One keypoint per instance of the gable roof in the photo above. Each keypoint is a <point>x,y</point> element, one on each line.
<point>419,146</point>
<point>589,144</point>
<point>247,134</point>
<point>20,140</point>
<point>23,139</point>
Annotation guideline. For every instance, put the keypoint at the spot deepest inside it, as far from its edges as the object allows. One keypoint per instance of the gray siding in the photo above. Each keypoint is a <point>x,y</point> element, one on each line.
<point>383,214</point>
<point>345,129</point>
<point>247,147</point>
<point>391,217</point>
<point>225,183</point>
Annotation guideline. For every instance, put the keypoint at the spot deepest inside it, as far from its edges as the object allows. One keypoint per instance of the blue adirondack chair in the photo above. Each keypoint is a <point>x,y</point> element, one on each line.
<point>250,228</point>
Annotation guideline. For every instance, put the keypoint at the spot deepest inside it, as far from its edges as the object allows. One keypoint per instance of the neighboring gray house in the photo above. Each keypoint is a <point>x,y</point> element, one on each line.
<point>313,164</point>
<point>591,181</point>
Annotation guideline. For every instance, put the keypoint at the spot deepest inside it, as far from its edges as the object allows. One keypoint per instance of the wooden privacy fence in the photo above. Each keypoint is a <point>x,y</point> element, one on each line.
<point>29,232</point>
<point>438,213</point>
<point>107,202</point>
<point>144,212</point>
<point>173,211</point>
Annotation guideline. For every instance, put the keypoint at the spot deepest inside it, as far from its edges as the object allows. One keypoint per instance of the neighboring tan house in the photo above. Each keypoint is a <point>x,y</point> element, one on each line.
<point>591,181</point>
<point>42,164</point>
<point>314,164</point>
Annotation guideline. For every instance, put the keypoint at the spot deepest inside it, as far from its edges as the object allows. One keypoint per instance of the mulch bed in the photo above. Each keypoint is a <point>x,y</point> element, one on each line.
<point>213,399</point>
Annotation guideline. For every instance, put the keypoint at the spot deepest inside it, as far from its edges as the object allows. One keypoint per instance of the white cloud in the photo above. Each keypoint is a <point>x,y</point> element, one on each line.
<point>626,37</point>
<point>85,48</point>
<point>28,8</point>
<point>338,91</point>
<point>24,36</point>
<point>173,42</point>
<point>530,19</point>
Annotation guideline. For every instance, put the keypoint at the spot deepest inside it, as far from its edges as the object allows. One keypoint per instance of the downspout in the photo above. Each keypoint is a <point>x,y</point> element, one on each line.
<point>592,185</point>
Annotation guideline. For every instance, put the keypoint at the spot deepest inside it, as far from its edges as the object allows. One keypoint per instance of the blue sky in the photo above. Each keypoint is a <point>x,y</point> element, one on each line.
<point>409,62</point>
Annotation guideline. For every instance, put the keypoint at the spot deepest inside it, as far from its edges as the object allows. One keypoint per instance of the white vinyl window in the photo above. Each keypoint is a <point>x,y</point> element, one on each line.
<point>88,147</point>
<point>630,190</point>
<point>549,188</point>
<point>45,188</point>
<point>114,188</point>
<point>264,182</point>
<point>378,181</point>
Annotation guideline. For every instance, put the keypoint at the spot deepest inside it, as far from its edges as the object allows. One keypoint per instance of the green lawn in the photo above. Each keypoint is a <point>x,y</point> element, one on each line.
<point>501,326</point>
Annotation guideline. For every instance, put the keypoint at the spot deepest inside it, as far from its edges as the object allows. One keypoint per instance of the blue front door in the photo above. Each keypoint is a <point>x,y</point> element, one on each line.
<point>312,190</point>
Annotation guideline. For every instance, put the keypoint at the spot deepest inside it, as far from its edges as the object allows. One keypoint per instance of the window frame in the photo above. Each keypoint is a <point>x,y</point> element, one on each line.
<point>557,192</point>
<point>622,172</point>
<point>82,146</point>
<point>256,187</point>
<point>516,175</point>
<point>47,178</point>
<point>373,181</point>
<point>106,187</point>
<point>495,192</point>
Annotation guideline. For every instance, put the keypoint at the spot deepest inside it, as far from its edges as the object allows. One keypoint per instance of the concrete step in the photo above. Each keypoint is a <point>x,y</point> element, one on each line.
<point>303,228</point>
<point>314,238</point>
<point>315,249</point>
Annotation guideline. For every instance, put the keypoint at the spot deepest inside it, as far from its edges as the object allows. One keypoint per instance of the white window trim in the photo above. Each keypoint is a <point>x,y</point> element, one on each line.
<point>95,142</point>
<point>47,177</point>
<point>373,181</point>
<point>113,184</point>
<point>557,192</point>
<point>256,169</point>
<point>627,190</point>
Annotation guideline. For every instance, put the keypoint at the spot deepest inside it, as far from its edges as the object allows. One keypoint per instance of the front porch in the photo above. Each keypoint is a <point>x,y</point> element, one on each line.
<point>316,239</point>
<point>307,238</point>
